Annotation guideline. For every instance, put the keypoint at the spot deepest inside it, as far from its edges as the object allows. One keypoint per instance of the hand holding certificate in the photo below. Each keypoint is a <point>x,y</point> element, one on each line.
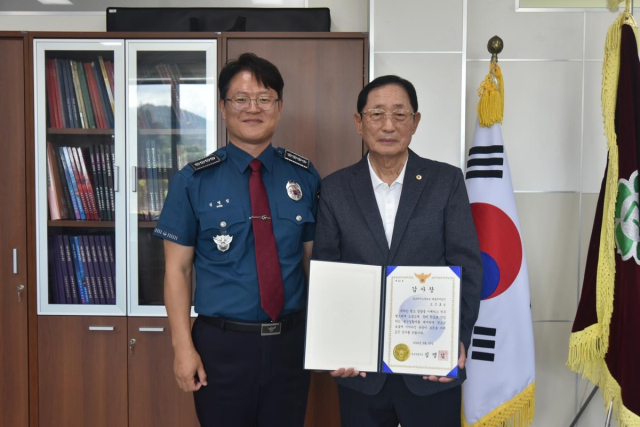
<point>383,319</point>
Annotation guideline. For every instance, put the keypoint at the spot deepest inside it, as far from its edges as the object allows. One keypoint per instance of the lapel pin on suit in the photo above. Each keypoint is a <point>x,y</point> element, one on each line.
<point>418,177</point>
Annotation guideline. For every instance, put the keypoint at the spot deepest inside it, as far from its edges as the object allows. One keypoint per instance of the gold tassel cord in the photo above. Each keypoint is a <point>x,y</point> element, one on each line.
<point>516,412</point>
<point>491,93</point>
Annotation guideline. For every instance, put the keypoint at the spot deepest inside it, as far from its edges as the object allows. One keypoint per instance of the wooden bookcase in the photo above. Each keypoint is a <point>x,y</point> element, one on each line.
<point>112,365</point>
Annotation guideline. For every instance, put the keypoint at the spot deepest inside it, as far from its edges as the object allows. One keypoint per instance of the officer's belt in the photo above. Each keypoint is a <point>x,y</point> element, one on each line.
<point>271,328</point>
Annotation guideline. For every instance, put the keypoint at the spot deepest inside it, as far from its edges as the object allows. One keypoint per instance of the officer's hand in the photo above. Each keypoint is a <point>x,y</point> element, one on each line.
<point>461,362</point>
<point>347,373</point>
<point>186,365</point>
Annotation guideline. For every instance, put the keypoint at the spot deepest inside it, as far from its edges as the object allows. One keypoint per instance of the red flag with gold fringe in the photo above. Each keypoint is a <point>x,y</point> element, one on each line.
<point>604,346</point>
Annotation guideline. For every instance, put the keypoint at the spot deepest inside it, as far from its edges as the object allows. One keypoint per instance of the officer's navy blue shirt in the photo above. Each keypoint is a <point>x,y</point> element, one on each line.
<point>203,204</point>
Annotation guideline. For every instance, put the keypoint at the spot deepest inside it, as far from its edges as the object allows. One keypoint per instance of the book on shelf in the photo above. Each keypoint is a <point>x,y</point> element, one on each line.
<point>101,279</point>
<point>58,208</point>
<point>105,76</point>
<point>109,260</point>
<point>80,93</point>
<point>79,269</point>
<point>73,186</point>
<point>63,285</point>
<point>110,155</point>
<point>80,183</point>
<point>86,97</point>
<point>96,101</point>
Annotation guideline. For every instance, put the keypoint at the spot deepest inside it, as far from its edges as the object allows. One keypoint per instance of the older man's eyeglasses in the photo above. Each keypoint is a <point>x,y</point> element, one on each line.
<point>241,103</point>
<point>377,116</point>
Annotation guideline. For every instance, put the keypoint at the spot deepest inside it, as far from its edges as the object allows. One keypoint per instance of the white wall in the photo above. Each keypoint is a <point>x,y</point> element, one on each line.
<point>553,135</point>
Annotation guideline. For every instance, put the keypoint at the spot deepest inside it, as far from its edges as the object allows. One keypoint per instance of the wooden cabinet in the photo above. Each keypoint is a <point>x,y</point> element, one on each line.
<point>164,100</point>
<point>82,371</point>
<point>13,228</point>
<point>154,396</point>
<point>322,80</point>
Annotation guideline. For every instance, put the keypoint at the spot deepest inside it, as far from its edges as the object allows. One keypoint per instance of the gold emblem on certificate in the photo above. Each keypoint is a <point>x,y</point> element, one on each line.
<point>294,191</point>
<point>422,277</point>
<point>401,352</point>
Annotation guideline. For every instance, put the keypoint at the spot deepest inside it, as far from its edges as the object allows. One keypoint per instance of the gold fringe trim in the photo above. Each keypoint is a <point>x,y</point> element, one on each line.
<point>491,93</point>
<point>598,373</point>
<point>591,345</point>
<point>611,392</point>
<point>587,348</point>
<point>517,412</point>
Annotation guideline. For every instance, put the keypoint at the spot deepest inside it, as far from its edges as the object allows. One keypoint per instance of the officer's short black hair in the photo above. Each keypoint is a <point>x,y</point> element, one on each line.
<point>264,72</point>
<point>384,81</point>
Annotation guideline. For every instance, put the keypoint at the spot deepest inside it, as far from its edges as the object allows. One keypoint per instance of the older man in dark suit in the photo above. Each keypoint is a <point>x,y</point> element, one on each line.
<point>396,208</point>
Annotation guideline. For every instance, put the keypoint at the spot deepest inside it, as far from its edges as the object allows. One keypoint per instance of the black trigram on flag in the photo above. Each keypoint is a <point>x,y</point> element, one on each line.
<point>485,162</point>
<point>483,343</point>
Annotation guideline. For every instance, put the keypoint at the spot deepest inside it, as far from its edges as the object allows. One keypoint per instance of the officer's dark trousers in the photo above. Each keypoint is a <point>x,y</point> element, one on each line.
<point>395,404</point>
<point>253,380</point>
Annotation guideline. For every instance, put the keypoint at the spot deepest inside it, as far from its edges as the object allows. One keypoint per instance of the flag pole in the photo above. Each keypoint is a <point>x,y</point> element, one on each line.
<point>586,403</point>
<point>611,404</point>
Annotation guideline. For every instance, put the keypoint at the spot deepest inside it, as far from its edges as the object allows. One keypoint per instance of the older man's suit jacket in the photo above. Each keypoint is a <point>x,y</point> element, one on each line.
<point>433,227</point>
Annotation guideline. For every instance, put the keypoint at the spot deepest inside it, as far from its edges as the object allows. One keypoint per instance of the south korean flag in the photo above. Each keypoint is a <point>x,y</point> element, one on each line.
<point>500,385</point>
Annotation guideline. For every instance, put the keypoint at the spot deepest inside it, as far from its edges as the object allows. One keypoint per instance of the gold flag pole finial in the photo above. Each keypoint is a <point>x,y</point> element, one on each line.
<point>495,46</point>
<point>491,90</point>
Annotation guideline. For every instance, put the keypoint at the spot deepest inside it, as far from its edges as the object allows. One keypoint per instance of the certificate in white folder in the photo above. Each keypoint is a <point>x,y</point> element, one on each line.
<point>383,318</point>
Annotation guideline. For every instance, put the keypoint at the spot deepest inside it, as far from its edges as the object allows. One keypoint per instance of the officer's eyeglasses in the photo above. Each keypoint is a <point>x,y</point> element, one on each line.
<point>378,116</point>
<point>242,103</point>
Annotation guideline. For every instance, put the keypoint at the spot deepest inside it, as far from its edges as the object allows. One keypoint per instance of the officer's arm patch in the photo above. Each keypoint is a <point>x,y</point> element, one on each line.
<point>205,162</point>
<point>296,159</point>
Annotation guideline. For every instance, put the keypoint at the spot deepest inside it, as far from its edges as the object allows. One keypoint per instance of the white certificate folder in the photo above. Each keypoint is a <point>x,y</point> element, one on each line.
<point>389,319</point>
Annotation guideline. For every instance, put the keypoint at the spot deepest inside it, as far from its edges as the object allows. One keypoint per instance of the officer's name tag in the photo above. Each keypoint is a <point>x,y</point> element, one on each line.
<point>296,159</point>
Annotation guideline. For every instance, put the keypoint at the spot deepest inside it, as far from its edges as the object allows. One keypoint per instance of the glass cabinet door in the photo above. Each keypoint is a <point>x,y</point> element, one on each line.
<point>171,107</point>
<point>80,159</point>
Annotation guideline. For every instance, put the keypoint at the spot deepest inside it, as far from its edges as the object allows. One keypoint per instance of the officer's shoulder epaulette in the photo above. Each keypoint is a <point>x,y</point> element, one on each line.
<point>294,158</point>
<point>211,160</point>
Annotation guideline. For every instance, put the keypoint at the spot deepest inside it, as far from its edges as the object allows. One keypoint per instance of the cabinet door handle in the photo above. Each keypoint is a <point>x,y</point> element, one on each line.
<point>134,179</point>
<point>116,178</point>
<point>15,260</point>
<point>102,328</point>
<point>20,288</point>
<point>151,329</point>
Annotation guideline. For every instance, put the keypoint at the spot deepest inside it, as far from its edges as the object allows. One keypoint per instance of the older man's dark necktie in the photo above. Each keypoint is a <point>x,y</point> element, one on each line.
<point>267,262</point>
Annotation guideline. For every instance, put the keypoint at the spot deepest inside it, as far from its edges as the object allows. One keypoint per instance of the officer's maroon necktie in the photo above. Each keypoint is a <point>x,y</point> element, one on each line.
<point>268,265</point>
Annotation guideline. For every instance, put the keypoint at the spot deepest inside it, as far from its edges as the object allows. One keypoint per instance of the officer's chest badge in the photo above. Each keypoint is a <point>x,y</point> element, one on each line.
<point>223,242</point>
<point>294,191</point>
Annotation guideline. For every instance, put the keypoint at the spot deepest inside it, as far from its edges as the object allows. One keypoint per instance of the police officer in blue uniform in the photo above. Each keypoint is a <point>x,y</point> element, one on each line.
<point>242,360</point>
